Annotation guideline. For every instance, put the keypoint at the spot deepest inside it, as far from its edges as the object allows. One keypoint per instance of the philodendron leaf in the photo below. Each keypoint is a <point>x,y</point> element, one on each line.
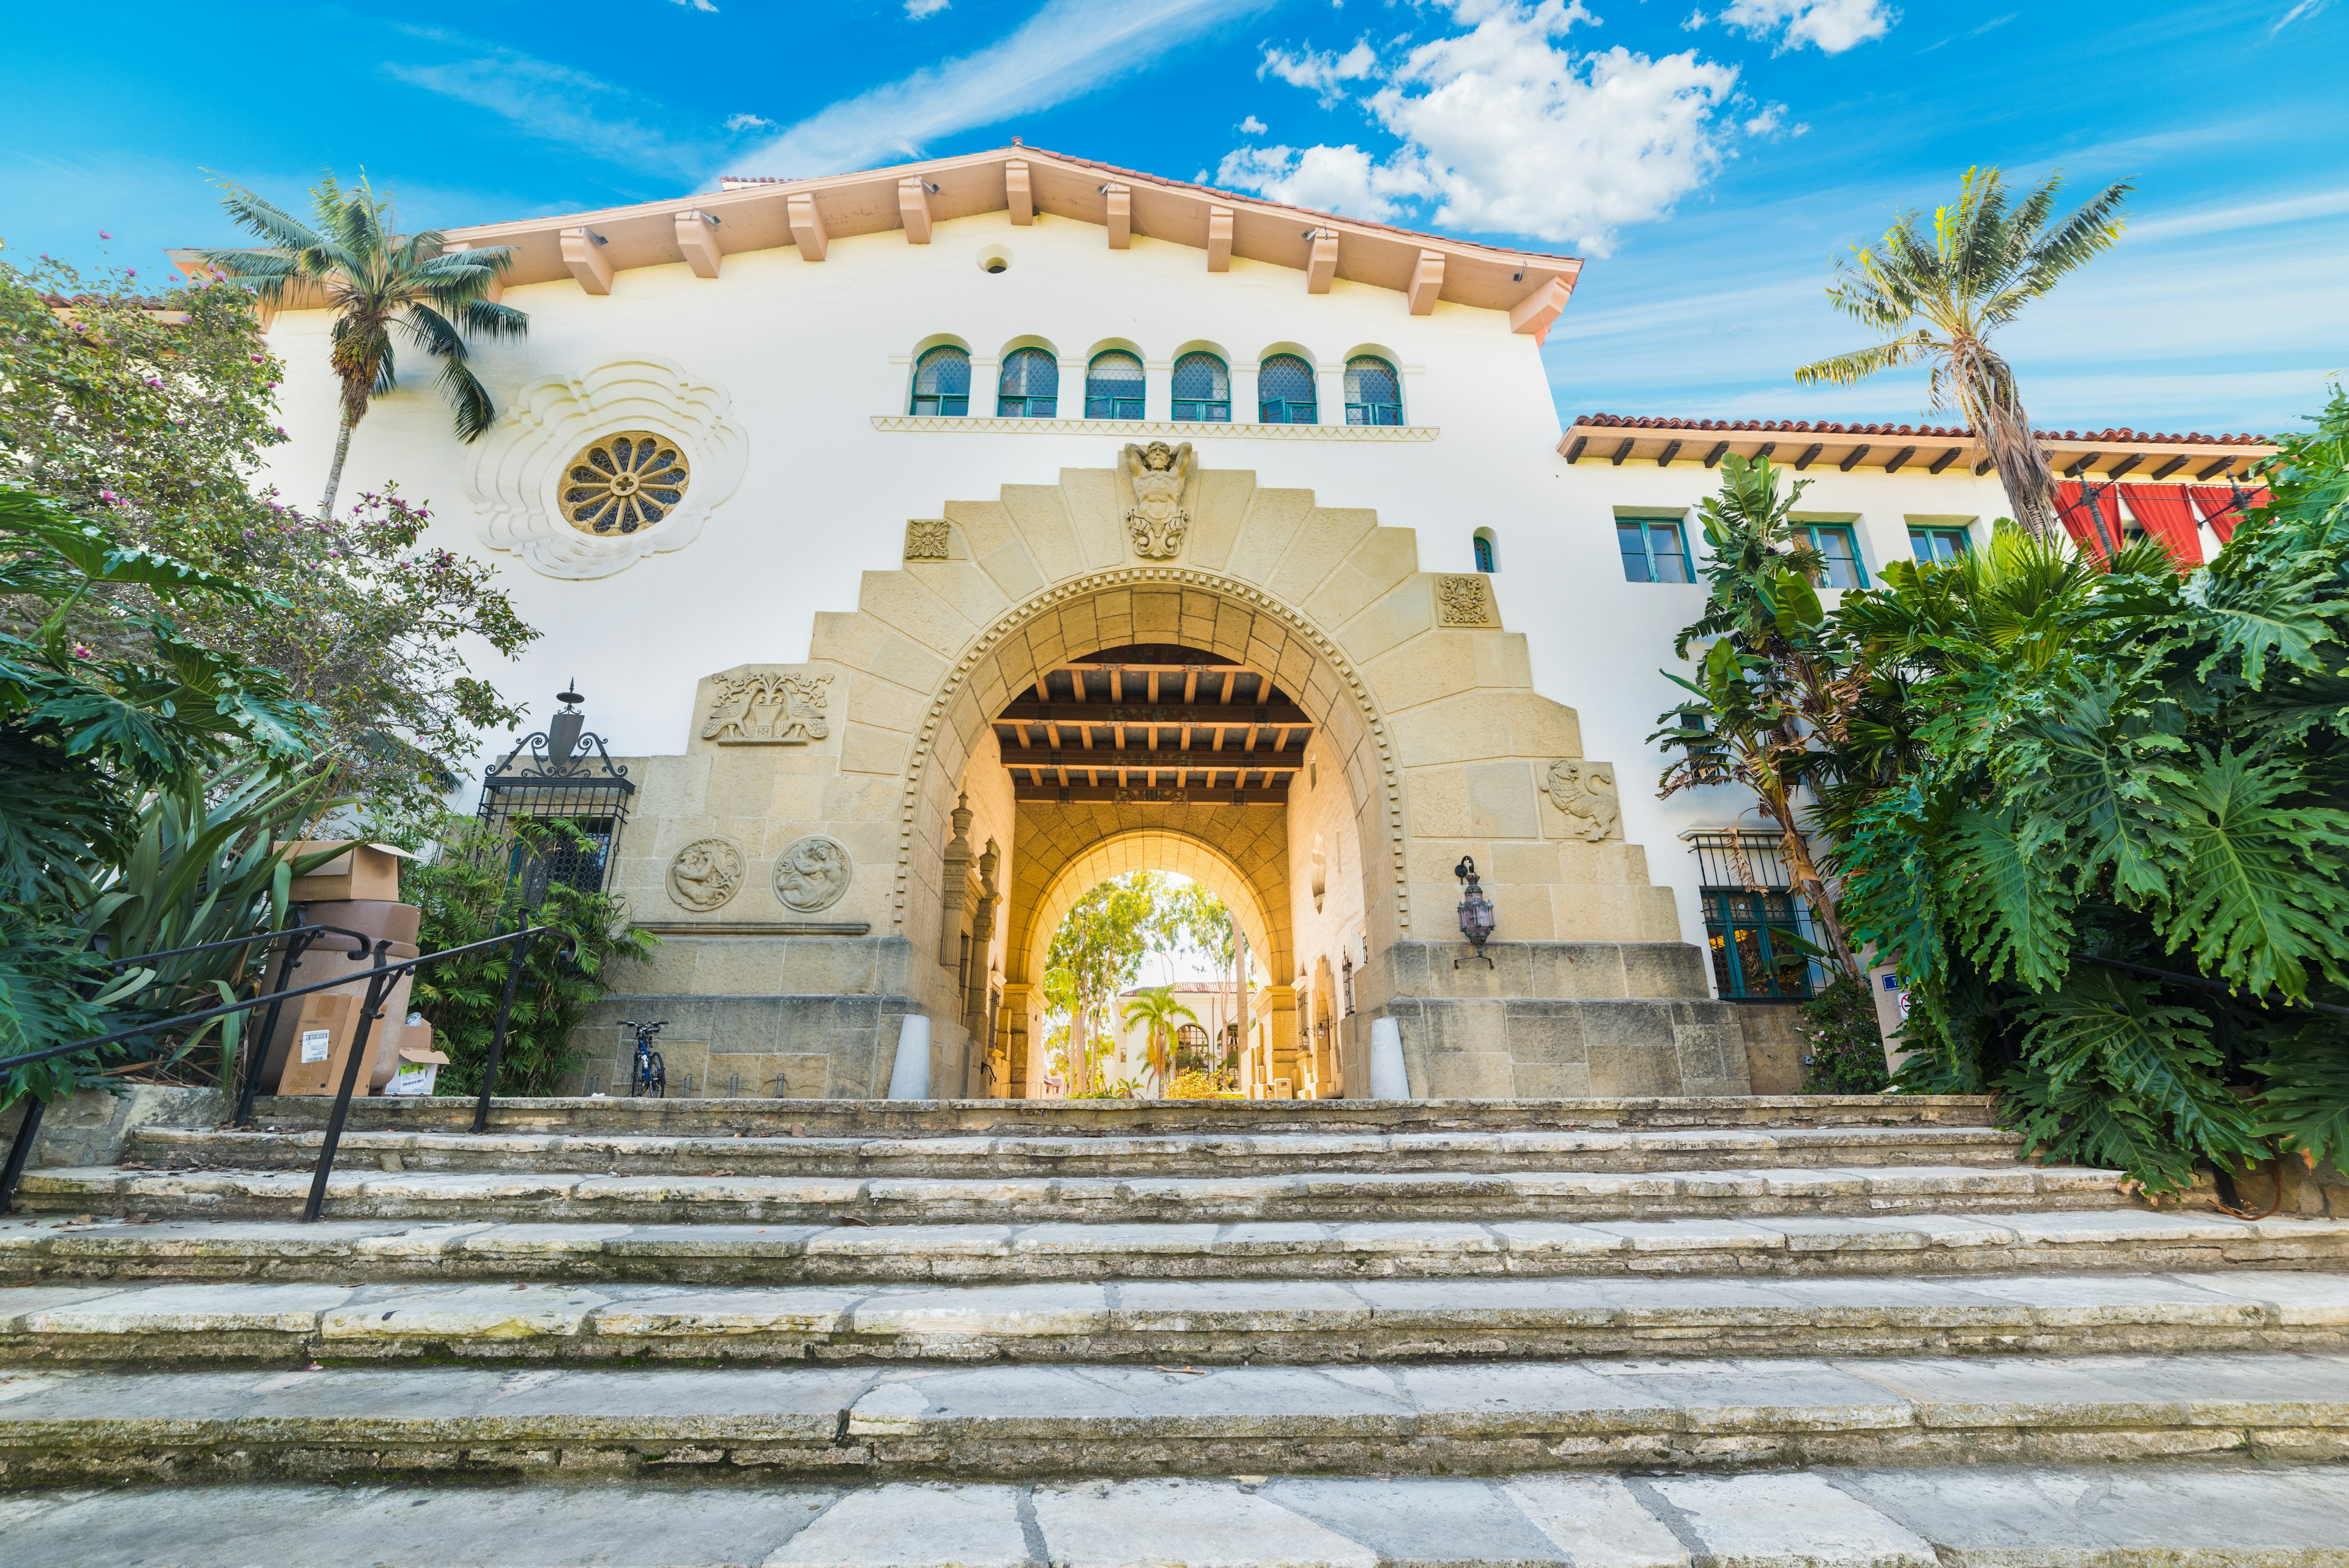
<point>2263,892</point>
<point>2011,910</point>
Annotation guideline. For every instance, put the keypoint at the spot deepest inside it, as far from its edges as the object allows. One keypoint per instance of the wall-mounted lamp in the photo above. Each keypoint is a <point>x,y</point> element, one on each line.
<point>1475,910</point>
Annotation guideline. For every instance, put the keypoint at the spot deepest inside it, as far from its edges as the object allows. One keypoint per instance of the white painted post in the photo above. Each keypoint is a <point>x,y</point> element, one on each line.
<point>909,1075</point>
<point>1389,1081</point>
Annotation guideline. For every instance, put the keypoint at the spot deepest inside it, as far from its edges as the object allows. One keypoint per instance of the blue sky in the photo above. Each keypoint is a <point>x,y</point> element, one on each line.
<point>1712,157</point>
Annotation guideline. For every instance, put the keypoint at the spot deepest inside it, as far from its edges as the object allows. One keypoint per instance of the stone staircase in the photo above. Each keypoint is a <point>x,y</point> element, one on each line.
<point>1662,1332</point>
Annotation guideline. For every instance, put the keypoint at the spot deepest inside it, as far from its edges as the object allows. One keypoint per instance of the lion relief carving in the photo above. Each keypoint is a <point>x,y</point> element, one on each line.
<point>1585,792</point>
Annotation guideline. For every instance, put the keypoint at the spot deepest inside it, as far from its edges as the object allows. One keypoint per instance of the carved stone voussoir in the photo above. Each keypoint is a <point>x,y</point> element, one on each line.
<point>705,873</point>
<point>812,873</point>
<point>1585,792</point>
<point>1464,601</point>
<point>1158,485</point>
<point>928,539</point>
<point>768,707</point>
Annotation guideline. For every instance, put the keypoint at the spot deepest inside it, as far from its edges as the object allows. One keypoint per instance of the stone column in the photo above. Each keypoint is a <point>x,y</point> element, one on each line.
<point>1018,1005</point>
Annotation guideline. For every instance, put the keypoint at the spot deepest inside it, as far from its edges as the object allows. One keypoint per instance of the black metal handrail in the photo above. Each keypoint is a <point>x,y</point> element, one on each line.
<point>379,980</point>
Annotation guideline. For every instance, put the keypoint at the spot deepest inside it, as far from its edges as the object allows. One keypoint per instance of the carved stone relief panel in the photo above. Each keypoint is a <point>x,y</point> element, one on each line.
<point>705,873</point>
<point>768,706</point>
<point>1585,792</point>
<point>1158,485</point>
<point>928,539</point>
<point>812,873</point>
<point>1464,601</point>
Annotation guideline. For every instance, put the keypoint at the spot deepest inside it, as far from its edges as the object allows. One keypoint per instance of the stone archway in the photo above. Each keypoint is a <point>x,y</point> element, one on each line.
<point>1432,744</point>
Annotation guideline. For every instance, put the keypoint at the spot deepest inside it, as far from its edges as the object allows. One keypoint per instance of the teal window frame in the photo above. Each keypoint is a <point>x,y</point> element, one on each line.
<point>1643,532</point>
<point>1481,547</point>
<point>1304,410</point>
<point>1116,405</point>
<point>942,402</point>
<point>1813,532</point>
<point>1023,404</point>
<point>1744,930</point>
<point>1203,411</point>
<point>1364,410</point>
<point>1922,536</point>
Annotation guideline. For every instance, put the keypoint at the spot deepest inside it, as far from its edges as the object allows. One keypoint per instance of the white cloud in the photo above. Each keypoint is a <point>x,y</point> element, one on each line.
<point>696,5</point>
<point>1325,179</point>
<point>748,122</point>
<point>1065,50</point>
<point>915,10</point>
<point>1830,27</point>
<point>1252,125</point>
<point>1323,72</point>
<point>1771,121</point>
<point>550,101</point>
<point>2304,8</point>
<point>1506,131</point>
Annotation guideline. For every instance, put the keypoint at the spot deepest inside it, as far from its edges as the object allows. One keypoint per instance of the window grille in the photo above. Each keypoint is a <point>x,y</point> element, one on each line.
<point>1029,388</point>
<point>566,778</point>
<point>1655,550</point>
<point>1760,934</point>
<point>942,383</point>
<point>1482,546</point>
<point>1284,394</point>
<point>1203,390</point>
<point>1373,392</point>
<point>1937,547</point>
<point>1113,387</point>
<point>1837,543</point>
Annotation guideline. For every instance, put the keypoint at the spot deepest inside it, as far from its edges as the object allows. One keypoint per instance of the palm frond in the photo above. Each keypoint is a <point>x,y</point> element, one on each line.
<point>1845,369</point>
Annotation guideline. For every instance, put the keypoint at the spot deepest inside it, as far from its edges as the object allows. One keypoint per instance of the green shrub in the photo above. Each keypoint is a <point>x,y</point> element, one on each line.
<point>1843,1051</point>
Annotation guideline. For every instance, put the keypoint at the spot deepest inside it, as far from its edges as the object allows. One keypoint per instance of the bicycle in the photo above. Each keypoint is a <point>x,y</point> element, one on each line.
<point>651,1075</point>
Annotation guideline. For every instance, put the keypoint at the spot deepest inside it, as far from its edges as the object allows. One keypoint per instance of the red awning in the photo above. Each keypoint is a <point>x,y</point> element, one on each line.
<point>2224,506</point>
<point>2164,514</point>
<point>2095,525</point>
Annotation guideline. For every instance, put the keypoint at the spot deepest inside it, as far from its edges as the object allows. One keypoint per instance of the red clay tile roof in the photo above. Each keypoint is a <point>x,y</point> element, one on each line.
<point>1956,432</point>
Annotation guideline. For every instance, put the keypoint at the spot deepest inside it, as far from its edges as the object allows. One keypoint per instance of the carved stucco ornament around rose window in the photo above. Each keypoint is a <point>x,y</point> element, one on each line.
<point>554,485</point>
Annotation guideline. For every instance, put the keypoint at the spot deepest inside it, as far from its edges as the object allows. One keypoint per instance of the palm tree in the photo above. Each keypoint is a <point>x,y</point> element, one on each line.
<point>375,280</point>
<point>1156,1010</point>
<point>1987,258</point>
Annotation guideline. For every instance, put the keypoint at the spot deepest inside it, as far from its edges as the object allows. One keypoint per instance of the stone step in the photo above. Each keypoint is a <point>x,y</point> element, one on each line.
<point>2152,1515</point>
<point>703,1198</point>
<point>83,1248</point>
<point>920,1118</point>
<point>1187,1154</point>
<point>1192,1322</point>
<point>1014,1422</point>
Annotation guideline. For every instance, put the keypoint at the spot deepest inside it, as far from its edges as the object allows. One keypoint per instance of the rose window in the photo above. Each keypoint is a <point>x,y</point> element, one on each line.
<point>624,483</point>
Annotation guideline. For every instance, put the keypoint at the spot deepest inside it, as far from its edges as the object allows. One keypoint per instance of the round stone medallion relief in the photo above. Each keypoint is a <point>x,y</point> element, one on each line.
<point>706,873</point>
<point>812,872</point>
<point>622,482</point>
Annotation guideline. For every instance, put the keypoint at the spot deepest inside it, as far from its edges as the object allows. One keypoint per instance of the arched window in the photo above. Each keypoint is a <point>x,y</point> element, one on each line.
<point>942,382</point>
<point>1284,388</point>
<point>1203,390</point>
<point>1113,387</point>
<point>1031,387</point>
<point>1483,545</point>
<point>1373,392</point>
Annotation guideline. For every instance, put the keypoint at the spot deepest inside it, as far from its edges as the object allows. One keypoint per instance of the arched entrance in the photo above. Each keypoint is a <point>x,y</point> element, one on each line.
<point>1401,732</point>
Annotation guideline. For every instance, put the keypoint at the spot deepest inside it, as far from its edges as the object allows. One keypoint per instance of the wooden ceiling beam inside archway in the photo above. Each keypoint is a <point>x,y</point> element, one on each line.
<point>1152,724</point>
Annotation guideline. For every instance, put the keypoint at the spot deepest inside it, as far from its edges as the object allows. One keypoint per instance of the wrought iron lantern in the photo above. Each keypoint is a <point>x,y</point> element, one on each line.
<point>1475,910</point>
<point>560,774</point>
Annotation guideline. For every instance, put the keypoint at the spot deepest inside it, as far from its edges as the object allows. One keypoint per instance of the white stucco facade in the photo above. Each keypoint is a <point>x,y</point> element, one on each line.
<point>787,382</point>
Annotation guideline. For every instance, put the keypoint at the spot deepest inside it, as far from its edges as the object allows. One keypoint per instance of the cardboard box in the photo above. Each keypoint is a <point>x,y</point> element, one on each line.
<point>419,1064</point>
<point>330,958</point>
<point>362,871</point>
<point>321,1045</point>
<point>372,918</point>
